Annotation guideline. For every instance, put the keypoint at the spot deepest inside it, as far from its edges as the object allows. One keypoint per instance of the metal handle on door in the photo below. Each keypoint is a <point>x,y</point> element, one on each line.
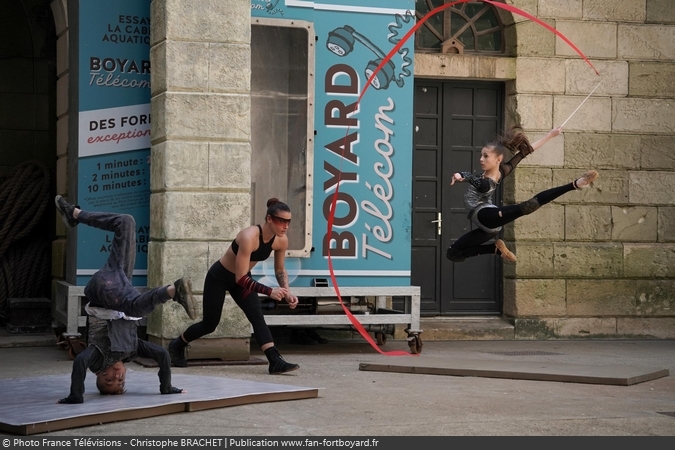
<point>438,221</point>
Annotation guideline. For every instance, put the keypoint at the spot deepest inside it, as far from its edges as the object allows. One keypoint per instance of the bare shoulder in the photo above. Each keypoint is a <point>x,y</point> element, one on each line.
<point>247,238</point>
<point>280,243</point>
<point>248,233</point>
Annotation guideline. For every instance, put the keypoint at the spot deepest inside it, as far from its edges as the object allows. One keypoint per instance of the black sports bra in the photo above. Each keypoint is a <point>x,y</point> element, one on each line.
<point>263,251</point>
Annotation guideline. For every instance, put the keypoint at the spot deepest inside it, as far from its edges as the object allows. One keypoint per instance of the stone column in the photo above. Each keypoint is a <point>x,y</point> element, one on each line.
<point>200,180</point>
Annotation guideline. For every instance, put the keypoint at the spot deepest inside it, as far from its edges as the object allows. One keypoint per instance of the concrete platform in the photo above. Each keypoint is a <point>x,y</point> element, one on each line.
<point>353,402</point>
<point>617,375</point>
<point>8,340</point>
<point>30,404</point>
<point>488,328</point>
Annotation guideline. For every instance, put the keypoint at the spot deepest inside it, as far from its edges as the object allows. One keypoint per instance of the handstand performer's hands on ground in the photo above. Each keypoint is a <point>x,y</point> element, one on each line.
<point>70,400</point>
<point>175,390</point>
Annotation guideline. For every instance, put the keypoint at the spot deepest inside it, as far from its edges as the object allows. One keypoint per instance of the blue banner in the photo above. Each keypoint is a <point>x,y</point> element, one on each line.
<point>113,125</point>
<point>368,146</point>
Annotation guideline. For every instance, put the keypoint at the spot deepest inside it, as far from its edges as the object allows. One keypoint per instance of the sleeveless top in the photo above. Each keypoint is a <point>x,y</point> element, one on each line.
<point>263,251</point>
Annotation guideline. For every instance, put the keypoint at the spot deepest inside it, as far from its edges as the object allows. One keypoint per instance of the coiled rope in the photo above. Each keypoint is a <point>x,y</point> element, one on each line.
<point>24,249</point>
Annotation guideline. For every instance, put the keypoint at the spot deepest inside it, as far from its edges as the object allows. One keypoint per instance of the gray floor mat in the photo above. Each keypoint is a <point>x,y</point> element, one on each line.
<point>29,404</point>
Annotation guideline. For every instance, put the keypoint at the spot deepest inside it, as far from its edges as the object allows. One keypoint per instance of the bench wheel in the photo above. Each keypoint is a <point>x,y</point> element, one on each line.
<point>415,344</point>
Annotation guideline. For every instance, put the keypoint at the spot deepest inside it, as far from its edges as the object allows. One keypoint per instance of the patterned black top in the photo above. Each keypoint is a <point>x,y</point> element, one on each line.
<point>481,188</point>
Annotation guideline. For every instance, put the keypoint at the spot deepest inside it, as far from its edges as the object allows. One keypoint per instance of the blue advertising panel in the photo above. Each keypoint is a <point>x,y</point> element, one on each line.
<point>367,145</point>
<point>113,137</point>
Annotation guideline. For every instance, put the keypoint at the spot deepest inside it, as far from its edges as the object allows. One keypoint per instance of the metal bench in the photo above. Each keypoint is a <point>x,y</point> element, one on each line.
<point>373,318</point>
<point>68,310</point>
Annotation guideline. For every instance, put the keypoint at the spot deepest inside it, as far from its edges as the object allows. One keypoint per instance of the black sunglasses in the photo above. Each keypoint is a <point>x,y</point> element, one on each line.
<point>280,220</point>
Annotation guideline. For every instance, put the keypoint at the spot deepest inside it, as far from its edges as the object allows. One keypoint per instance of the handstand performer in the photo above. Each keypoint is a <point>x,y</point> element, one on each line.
<point>115,306</point>
<point>489,218</point>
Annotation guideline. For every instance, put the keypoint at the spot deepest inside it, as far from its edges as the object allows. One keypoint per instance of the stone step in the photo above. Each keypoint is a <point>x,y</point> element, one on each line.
<point>433,329</point>
<point>9,340</point>
<point>474,328</point>
<point>463,328</point>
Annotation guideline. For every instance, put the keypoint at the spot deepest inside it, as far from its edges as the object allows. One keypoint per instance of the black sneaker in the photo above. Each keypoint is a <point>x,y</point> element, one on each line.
<point>177,352</point>
<point>66,211</point>
<point>277,364</point>
<point>184,296</point>
<point>280,366</point>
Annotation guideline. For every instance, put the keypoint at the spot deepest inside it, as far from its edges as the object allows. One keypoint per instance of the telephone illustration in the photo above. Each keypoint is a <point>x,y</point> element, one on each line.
<point>341,42</point>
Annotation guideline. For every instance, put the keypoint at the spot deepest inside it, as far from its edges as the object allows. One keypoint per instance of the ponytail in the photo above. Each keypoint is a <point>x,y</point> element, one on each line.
<point>514,139</point>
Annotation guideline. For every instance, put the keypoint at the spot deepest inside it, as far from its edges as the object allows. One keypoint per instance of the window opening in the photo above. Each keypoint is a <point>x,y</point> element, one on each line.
<point>472,27</point>
<point>282,123</point>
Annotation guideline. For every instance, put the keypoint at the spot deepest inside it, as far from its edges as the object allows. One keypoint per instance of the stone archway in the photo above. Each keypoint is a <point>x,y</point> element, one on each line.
<point>27,162</point>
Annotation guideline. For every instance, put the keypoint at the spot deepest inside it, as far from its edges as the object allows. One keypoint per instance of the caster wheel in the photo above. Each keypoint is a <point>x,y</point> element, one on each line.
<point>72,345</point>
<point>381,338</point>
<point>415,345</point>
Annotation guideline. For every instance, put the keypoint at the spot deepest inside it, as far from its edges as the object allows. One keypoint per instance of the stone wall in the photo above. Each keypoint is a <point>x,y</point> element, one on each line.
<point>60,244</point>
<point>599,262</point>
<point>201,162</point>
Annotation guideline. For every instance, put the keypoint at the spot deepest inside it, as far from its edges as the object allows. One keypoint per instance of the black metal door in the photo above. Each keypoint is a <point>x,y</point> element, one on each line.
<point>453,121</point>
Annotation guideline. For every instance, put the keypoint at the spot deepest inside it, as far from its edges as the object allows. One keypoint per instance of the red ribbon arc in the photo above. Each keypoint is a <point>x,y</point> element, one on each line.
<point>357,325</point>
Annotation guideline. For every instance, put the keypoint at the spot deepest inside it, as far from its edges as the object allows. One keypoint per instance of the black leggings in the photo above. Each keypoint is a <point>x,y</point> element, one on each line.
<point>470,243</point>
<point>218,281</point>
